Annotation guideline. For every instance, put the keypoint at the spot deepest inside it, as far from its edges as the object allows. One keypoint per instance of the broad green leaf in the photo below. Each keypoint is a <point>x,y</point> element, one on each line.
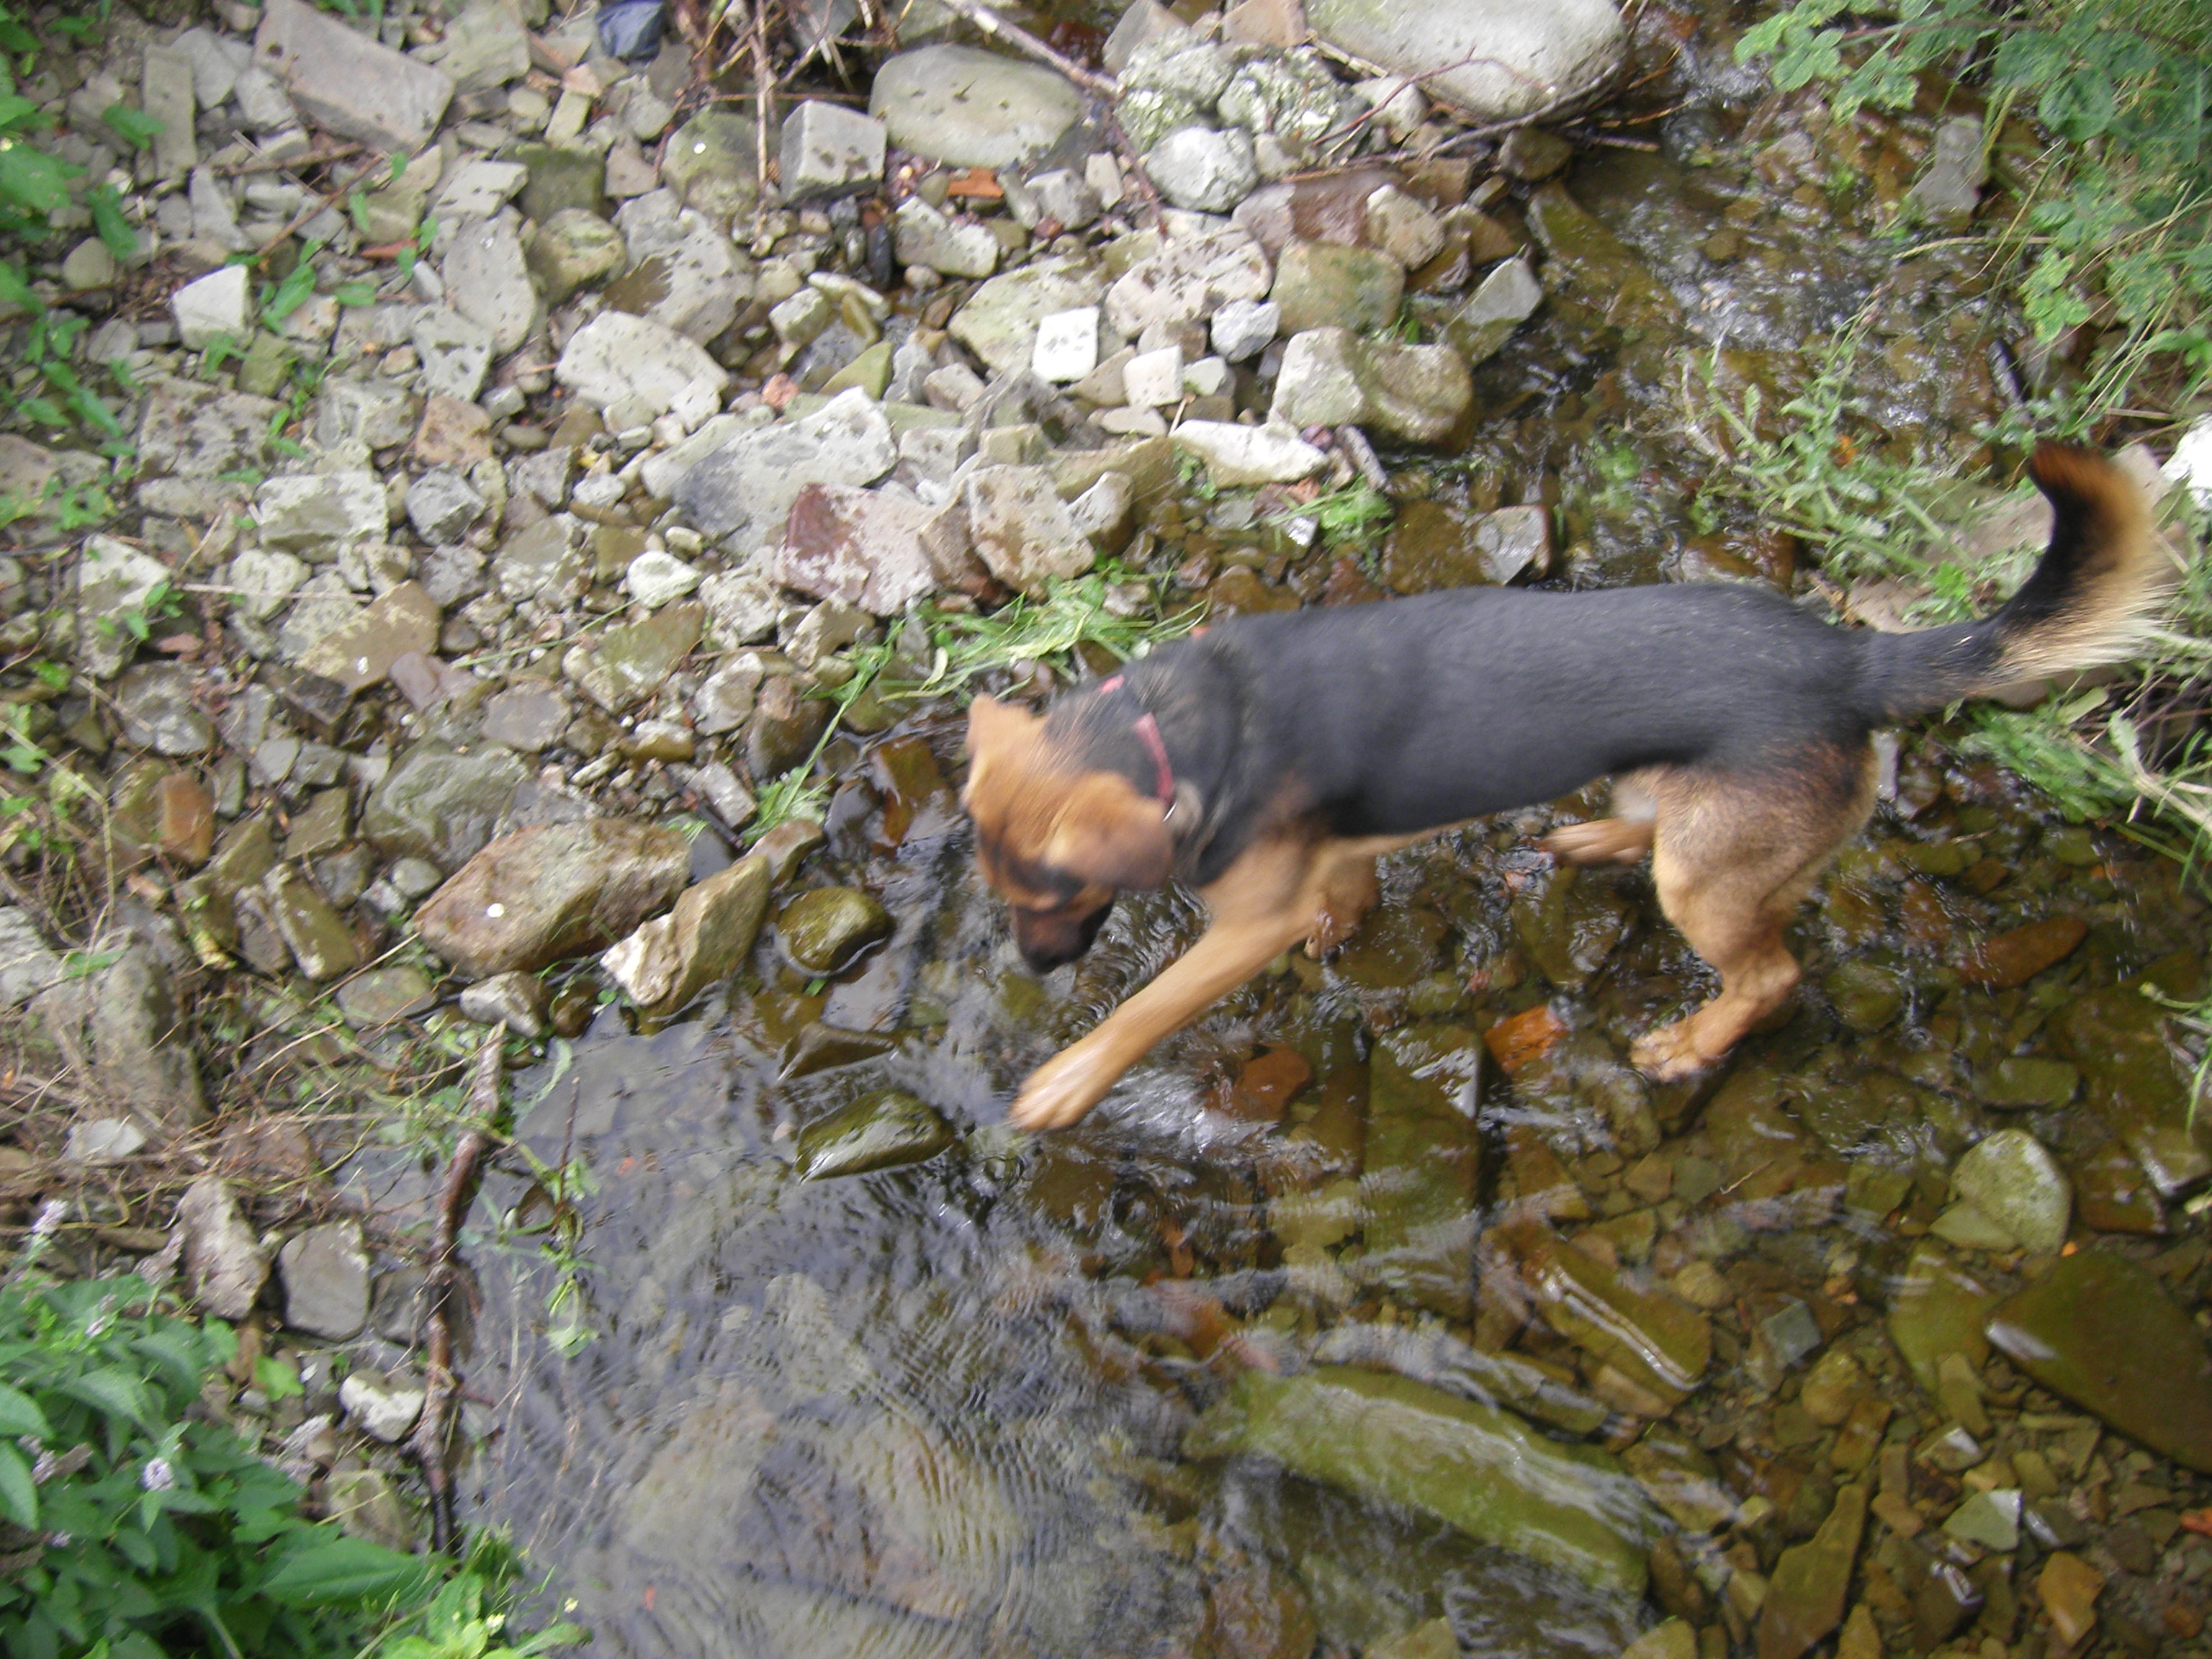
<point>19,1412</point>
<point>33,181</point>
<point>19,1498</point>
<point>334,1568</point>
<point>118,1393</point>
<point>116,231</point>
<point>134,125</point>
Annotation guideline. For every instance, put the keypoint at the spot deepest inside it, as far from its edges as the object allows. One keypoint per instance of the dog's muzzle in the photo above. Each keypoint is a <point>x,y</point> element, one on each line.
<point>1048,938</point>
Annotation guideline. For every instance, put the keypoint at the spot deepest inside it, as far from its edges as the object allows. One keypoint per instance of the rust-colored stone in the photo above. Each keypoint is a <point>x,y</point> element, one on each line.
<point>1520,1038</point>
<point>2018,956</point>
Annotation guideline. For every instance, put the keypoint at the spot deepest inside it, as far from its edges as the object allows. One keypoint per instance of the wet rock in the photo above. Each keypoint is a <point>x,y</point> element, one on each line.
<point>1989,1520</point>
<point>382,995</point>
<point>1674,1639</point>
<point>872,549</point>
<point>26,966</point>
<point>2015,957</point>
<point>575,248</point>
<point>627,665</point>
<point>156,702</point>
<point>316,514</point>
<point>1950,188</point>
<point>1595,266</point>
<point>666,963</point>
<point>881,1132</point>
<point>1805,1597</point>
<point>1331,377</point>
<point>1493,59</point>
<point>2118,1038</point>
<point>2068,1587</point>
<point>1504,299</point>
<point>1936,1310</point>
<point>2011,1178</point>
<point>1021,529</point>
<point>1322,285</point>
<point>1659,1344</point>
<point>359,653</point>
<point>538,896</point>
<point>617,357</point>
<point>324,1271</point>
<point>746,487</point>
<point>1475,1467</point>
<point>1422,1157</point>
<point>441,805</point>
<point>998,323</point>
<point>971,108</point>
<point>785,727</point>
<point>346,82</point>
<point>385,1410</point>
<point>825,928</point>
<point>2101,1330</point>
<point>926,237</point>
<point>119,1028</point>
<point>1205,171</point>
<point>215,306</point>
<point>1238,455</point>
<point>516,1000</point>
<point>1867,996</point>
<point>1187,281</point>
<point>224,1265</point>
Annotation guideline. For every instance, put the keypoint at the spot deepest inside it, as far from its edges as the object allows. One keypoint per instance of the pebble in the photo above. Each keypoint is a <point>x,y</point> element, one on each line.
<point>1066,346</point>
<point>2013,1179</point>
<point>324,1271</point>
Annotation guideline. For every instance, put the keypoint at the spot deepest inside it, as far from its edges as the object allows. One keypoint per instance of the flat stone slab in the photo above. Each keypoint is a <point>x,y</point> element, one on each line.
<point>971,108</point>
<point>1495,59</point>
<point>347,83</point>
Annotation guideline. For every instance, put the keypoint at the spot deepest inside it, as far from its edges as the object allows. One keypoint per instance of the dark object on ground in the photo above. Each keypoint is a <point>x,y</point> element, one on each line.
<point>631,28</point>
<point>1270,762</point>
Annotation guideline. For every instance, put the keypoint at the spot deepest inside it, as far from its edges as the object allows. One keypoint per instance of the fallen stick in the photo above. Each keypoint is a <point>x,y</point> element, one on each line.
<point>431,1443</point>
<point>1014,35</point>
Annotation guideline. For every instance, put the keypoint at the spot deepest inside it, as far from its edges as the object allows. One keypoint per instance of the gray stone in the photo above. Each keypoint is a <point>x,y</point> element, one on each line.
<point>516,1000</point>
<point>624,665</point>
<point>1142,23</point>
<point>487,281</point>
<point>318,513</point>
<point>1205,171</point>
<point>1950,188</point>
<point>156,702</point>
<point>216,61</point>
<point>115,581</point>
<point>26,966</point>
<point>1187,281</point>
<point>573,249</point>
<point>455,351</point>
<point>1061,197</point>
<point>829,151</point>
<point>526,718</point>
<point>926,237</point>
<point>347,83</point>
<point>477,189</point>
<point>1514,542</point>
<point>1402,227</point>
<point>325,1271</point>
<point>214,218</point>
<point>441,505</point>
<point>1500,303</point>
<point>89,265</point>
<point>1238,455</point>
<point>213,307</point>
<point>663,965</point>
<point>2013,1179</point>
<point>664,469</point>
<point>870,548</point>
<point>486,46</point>
<point>617,357</point>
<point>264,106</point>
<point>541,562</point>
<point>323,604</point>
<point>441,805</point>
<point>385,1410</point>
<point>1021,529</point>
<point>1331,377</point>
<point>968,107</point>
<point>168,96</point>
<point>1495,59</point>
<point>319,939</point>
<point>191,430</point>
<point>999,321</point>
<point>711,161</point>
<point>684,274</point>
<point>120,1028</point>
<point>224,1264</point>
<point>378,996</point>
<point>1244,328</point>
<point>743,605</point>
<point>104,1140</point>
<point>360,650</point>
<point>746,487</point>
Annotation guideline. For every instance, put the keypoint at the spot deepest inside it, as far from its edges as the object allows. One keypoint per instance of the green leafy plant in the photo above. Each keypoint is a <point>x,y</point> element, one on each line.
<point>280,300</point>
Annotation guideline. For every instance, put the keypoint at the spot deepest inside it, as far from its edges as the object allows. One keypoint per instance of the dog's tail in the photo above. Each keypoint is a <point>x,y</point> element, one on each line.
<point>2085,603</point>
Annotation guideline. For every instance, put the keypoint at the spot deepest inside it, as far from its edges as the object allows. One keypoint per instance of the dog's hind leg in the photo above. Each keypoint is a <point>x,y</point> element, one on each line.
<point>1735,853</point>
<point>1622,839</point>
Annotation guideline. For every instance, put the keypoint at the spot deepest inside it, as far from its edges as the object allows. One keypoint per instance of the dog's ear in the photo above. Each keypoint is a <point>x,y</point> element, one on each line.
<point>992,726</point>
<point>1107,833</point>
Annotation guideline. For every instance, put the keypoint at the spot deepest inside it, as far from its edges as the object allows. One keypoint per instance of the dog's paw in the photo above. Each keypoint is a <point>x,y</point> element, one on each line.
<point>1059,1092</point>
<point>1671,1052</point>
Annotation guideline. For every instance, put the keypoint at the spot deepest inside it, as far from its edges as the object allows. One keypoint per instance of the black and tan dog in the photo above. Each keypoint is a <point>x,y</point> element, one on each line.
<point>1268,762</point>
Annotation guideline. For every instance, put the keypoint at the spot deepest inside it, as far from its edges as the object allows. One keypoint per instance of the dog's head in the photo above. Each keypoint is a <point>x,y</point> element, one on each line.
<point>1056,837</point>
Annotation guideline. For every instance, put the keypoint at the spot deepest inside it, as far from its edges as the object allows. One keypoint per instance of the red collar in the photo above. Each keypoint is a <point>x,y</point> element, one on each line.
<point>1148,732</point>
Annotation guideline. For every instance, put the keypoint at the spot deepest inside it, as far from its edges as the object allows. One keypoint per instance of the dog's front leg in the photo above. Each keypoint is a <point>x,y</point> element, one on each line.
<point>1257,915</point>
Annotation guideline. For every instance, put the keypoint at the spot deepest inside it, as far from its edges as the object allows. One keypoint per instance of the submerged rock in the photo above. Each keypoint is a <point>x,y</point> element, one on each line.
<point>2012,1178</point>
<point>2102,1331</point>
<point>878,1132</point>
<point>1475,1467</point>
<point>2131,1077</point>
<point>1660,1345</point>
<point>1805,1599</point>
<point>824,928</point>
<point>538,896</point>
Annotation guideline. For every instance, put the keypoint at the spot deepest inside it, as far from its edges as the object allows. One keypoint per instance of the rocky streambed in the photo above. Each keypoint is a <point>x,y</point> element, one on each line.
<point>472,623</point>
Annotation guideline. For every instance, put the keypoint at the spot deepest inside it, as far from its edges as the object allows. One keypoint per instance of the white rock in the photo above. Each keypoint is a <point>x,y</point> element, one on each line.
<point>1243,328</point>
<point>616,356</point>
<point>1189,280</point>
<point>1066,345</point>
<point>104,1140</point>
<point>829,150</point>
<point>1021,530</point>
<point>224,1264</point>
<point>697,267</point>
<point>1067,198</point>
<point>215,306</point>
<point>926,237</point>
<point>489,282</point>
<point>455,351</point>
<point>1154,378</point>
<point>477,189</point>
<point>1202,169</point>
<point>1132,421</point>
<point>1495,59</point>
<point>1236,455</point>
<point>1205,377</point>
<point>2191,464</point>
<point>655,578</point>
<point>384,1411</point>
<point>26,966</point>
<point>1103,174</point>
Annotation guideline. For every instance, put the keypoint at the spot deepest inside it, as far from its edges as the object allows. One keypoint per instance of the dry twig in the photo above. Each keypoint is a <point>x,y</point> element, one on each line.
<point>431,1441</point>
<point>1014,35</point>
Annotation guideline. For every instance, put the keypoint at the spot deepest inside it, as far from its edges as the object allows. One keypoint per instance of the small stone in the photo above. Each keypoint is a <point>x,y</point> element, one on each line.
<point>1205,171</point>
<point>516,1000</point>
<point>1243,328</point>
<point>1021,530</point>
<point>1321,285</point>
<point>823,929</point>
<point>326,1275</point>
<point>1239,455</point>
<point>616,358</point>
<point>158,713</point>
<point>319,514</point>
<point>2068,1587</point>
<point>1674,1639</point>
<point>27,966</point>
<point>385,1410</point>
<point>104,1140</point>
<point>440,805</point>
<point>575,248</point>
<point>2013,1179</point>
<point>2015,957</point>
<point>319,940</point>
<point>89,265</point>
<point>1811,1583</point>
<point>224,1264</point>
<point>1402,227</point>
<point>1532,154</point>
<point>1494,60</point>
<point>1501,302</point>
<point>1331,377</point>
<point>655,578</point>
<point>213,307</point>
<point>666,963</point>
<point>487,281</point>
<point>360,652</point>
<point>870,548</point>
<point>1066,345</point>
<point>1989,1519</point>
<point>998,323</point>
<point>2018,1081</point>
<point>927,238</point>
<point>628,664</point>
<point>1187,281</point>
<point>348,83</point>
<point>830,151</point>
<point>749,486</point>
<point>1154,378</point>
<point>882,1131</point>
<point>382,995</point>
<point>1950,188</point>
